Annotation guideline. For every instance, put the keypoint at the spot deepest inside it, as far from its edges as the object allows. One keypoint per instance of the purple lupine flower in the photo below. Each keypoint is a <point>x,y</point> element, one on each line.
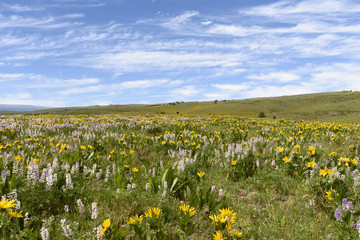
<point>338,214</point>
<point>221,193</point>
<point>213,189</point>
<point>94,211</point>
<point>358,226</point>
<point>81,206</point>
<point>347,205</point>
<point>66,208</point>
<point>26,220</point>
<point>69,184</point>
<point>44,234</point>
<point>66,228</point>
<point>147,187</point>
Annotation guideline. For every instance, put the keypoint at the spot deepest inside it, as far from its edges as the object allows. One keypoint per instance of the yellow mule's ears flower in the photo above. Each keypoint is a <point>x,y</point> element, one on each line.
<point>7,204</point>
<point>15,214</point>
<point>286,159</point>
<point>106,223</point>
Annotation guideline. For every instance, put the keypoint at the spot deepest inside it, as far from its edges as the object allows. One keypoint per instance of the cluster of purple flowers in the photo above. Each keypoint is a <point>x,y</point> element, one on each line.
<point>347,206</point>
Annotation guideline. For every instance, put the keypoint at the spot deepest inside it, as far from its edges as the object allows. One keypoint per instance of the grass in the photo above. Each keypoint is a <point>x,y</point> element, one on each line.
<point>121,162</point>
<point>328,107</point>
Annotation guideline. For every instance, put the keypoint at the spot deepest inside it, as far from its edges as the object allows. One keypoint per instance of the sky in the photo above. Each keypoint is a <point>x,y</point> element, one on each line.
<point>60,53</point>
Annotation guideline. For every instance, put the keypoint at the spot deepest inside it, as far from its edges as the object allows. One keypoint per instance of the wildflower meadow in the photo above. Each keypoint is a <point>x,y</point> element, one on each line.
<point>177,177</point>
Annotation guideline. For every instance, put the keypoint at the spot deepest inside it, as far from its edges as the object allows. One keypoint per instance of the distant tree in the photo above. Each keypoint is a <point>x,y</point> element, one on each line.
<point>215,101</point>
<point>262,114</point>
<point>274,117</point>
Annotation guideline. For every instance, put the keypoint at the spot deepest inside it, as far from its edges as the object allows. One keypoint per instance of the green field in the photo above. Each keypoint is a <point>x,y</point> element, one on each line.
<point>330,107</point>
<point>149,175</point>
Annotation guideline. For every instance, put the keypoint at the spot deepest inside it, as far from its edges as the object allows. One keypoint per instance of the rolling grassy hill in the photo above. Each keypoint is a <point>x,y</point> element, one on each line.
<point>331,107</point>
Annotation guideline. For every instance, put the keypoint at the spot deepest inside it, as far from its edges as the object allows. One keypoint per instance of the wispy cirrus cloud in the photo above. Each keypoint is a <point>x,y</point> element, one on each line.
<point>20,8</point>
<point>62,49</point>
<point>276,77</point>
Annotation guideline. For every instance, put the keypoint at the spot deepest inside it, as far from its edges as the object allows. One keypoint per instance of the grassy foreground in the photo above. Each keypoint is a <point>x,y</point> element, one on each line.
<point>328,107</point>
<point>174,177</point>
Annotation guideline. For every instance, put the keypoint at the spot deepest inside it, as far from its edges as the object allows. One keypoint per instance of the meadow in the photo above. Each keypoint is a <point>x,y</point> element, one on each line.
<point>159,176</point>
<point>328,107</point>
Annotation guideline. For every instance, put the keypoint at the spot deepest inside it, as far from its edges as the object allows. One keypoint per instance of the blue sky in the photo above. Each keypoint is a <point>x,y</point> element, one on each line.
<point>95,52</point>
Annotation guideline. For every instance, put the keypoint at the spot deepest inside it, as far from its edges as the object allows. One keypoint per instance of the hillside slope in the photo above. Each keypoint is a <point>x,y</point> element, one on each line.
<point>331,107</point>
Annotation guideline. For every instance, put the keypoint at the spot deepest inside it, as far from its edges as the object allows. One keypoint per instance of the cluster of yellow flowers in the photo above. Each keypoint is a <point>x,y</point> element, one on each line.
<point>187,209</point>
<point>5,204</point>
<point>148,214</point>
<point>226,218</point>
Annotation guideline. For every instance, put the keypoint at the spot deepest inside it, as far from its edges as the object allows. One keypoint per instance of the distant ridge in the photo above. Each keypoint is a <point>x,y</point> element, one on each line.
<point>19,108</point>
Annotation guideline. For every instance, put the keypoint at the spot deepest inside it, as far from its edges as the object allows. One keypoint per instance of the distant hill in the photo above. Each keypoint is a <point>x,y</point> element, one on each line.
<point>18,108</point>
<point>330,107</point>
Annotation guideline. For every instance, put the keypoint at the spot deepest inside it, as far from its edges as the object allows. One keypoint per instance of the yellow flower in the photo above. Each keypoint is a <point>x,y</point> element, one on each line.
<point>218,236</point>
<point>106,225</point>
<point>156,211</point>
<point>15,214</point>
<point>229,213</point>
<point>311,164</point>
<point>135,169</point>
<point>333,153</point>
<point>233,162</point>
<point>237,234</point>
<point>224,219</point>
<point>286,159</point>
<point>214,218</point>
<point>200,174</point>
<point>163,143</point>
<point>7,204</point>
<point>328,195</point>
<point>311,150</point>
<point>326,171</point>
<point>187,209</point>
<point>18,158</point>
<point>148,213</point>
<point>82,147</point>
<point>132,219</point>
<point>281,150</point>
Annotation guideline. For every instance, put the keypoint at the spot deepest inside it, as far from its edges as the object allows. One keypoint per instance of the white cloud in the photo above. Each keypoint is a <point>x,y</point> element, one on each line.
<point>159,60</point>
<point>184,92</point>
<point>141,84</point>
<point>21,8</point>
<point>17,21</point>
<point>82,90</point>
<point>176,22</point>
<point>340,76</point>
<point>304,7</point>
<point>232,87</point>
<point>4,77</point>
<point>216,96</point>
<point>271,91</point>
<point>230,30</point>
<point>282,77</point>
